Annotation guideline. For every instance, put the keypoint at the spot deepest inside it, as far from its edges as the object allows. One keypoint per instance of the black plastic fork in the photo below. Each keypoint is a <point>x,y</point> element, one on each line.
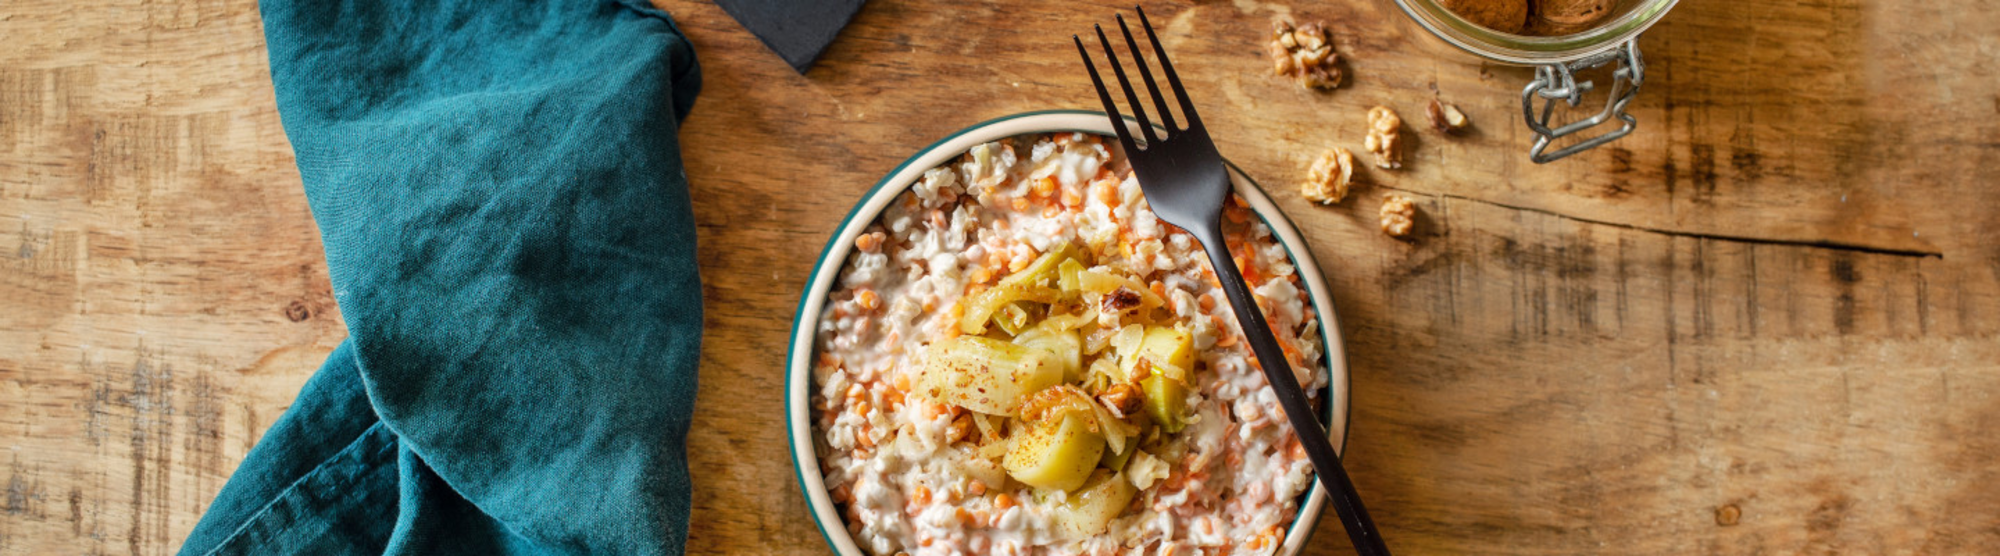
<point>1186,182</point>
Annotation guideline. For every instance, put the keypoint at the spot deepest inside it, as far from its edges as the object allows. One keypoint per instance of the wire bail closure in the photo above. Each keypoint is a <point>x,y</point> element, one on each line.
<point>1557,82</point>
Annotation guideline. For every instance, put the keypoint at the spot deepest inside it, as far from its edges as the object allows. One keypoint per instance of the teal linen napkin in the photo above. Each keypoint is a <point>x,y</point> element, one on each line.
<point>508,231</point>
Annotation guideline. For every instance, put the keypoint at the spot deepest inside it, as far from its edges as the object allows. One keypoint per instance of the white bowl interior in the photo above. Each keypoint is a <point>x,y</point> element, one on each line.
<point>798,377</point>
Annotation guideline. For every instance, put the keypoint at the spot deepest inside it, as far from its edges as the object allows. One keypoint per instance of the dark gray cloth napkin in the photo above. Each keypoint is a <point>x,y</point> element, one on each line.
<point>798,30</point>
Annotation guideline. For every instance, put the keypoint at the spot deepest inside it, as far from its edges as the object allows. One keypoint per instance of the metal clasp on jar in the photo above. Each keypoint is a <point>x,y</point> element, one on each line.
<point>1557,82</point>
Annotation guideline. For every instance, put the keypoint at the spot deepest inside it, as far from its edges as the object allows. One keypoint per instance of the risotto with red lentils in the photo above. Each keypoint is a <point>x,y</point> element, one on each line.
<point>1019,358</point>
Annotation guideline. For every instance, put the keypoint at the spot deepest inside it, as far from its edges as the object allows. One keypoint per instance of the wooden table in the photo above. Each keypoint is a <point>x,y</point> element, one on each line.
<point>1768,322</point>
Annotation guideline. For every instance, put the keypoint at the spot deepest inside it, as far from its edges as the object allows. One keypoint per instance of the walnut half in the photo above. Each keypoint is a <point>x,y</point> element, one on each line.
<point>1399,215</point>
<point>1385,137</point>
<point>1303,52</point>
<point>1327,179</point>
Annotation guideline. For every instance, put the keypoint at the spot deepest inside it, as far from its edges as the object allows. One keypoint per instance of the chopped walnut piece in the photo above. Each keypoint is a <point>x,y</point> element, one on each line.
<point>1303,52</point>
<point>1139,372</point>
<point>1385,137</point>
<point>1121,399</point>
<point>1327,179</point>
<point>961,428</point>
<point>1120,299</point>
<point>1446,118</point>
<point>1399,215</point>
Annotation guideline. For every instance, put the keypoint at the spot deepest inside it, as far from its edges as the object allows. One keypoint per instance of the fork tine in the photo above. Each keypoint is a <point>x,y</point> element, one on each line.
<point>1139,58</point>
<point>1132,97</point>
<point>1117,121</point>
<point>1167,67</point>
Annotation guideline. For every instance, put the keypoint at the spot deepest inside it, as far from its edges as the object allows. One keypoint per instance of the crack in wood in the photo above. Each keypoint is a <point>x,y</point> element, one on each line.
<point>1814,243</point>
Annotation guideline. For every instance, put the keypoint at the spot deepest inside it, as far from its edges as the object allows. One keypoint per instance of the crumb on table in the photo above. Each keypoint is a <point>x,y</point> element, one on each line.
<point>1447,118</point>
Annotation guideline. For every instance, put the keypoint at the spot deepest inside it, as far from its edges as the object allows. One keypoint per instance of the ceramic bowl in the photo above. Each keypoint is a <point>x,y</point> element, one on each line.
<point>799,358</point>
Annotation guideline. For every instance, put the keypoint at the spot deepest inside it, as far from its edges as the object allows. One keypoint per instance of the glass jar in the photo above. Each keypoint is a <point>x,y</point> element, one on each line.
<point>1556,60</point>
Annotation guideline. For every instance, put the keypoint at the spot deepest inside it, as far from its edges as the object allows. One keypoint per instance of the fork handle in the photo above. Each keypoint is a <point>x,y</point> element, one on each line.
<point>1346,502</point>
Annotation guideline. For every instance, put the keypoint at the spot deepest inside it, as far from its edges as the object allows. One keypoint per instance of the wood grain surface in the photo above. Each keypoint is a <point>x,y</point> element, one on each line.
<point>1766,323</point>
